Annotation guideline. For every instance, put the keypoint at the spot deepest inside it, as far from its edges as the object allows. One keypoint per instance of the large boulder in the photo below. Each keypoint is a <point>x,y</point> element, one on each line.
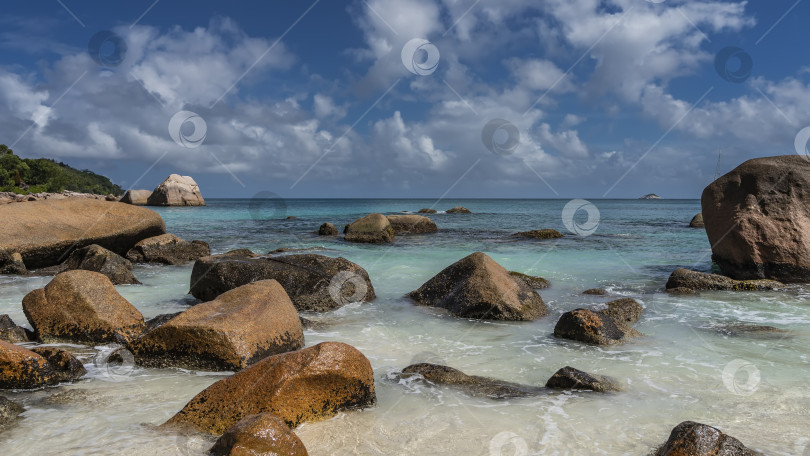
<point>570,378</point>
<point>694,439</point>
<point>538,283</point>
<point>176,190</point>
<point>757,219</point>
<point>593,328</point>
<point>12,263</point>
<point>412,224</point>
<point>21,368</point>
<point>235,330</point>
<point>136,197</point>
<point>96,258</point>
<point>167,249</point>
<point>685,278</point>
<point>256,435</point>
<point>82,307</point>
<point>65,366</point>
<point>473,385</point>
<point>371,229</point>
<point>306,385</point>
<point>44,232</point>
<point>478,287</point>
<point>697,221</point>
<point>314,282</point>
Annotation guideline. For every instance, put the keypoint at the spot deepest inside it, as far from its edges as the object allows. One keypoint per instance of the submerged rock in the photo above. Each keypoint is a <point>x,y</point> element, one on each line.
<point>168,249</point>
<point>570,378</point>
<point>411,224</point>
<point>684,278</point>
<point>592,327</point>
<point>697,221</point>
<point>9,411</point>
<point>625,310</point>
<point>744,329</point>
<point>260,434</point>
<point>82,307</point>
<point>65,366</point>
<point>478,287</point>
<point>694,439</point>
<point>96,258</point>
<point>371,229</point>
<point>538,283</point>
<point>313,282</point>
<point>136,197</point>
<point>44,232</point>
<point>328,229</point>
<point>237,329</point>
<point>595,292</point>
<point>459,210</point>
<point>471,384</point>
<point>21,368</point>
<point>758,219</point>
<point>427,211</point>
<point>539,234</point>
<point>176,190</point>
<point>306,385</point>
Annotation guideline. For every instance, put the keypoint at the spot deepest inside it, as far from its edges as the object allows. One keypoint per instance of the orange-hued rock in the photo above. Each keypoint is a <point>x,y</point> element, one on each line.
<point>44,232</point>
<point>82,307</point>
<point>259,435</point>
<point>306,385</point>
<point>22,368</point>
<point>238,328</point>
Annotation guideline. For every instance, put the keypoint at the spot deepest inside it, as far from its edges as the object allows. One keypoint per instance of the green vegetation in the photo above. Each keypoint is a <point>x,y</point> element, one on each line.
<point>26,175</point>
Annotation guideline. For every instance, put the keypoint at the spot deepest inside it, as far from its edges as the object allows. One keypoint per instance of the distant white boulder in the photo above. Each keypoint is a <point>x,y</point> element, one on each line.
<point>177,190</point>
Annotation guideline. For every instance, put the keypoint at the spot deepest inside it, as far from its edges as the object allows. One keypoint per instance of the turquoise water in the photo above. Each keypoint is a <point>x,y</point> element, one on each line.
<point>754,388</point>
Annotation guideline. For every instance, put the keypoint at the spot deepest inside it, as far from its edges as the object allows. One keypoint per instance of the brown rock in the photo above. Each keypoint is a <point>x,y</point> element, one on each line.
<point>23,369</point>
<point>167,249</point>
<point>412,224</point>
<point>684,278</point>
<point>478,287</point>
<point>176,190</point>
<point>44,232</point>
<point>459,210</point>
<point>538,283</point>
<point>427,211</point>
<point>625,310</point>
<point>540,234</point>
<point>235,330</point>
<point>327,229</point>
<point>65,366</point>
<point>306,385</point>
<point>682,291</point>
<point>694,439</point>
<point>257,435</point>
<point>372,229</point>
<point>136,197</point>
<point>9,411</point>
<point>595,292</point>
<point>697,221</point>
<point>570,378</point>
<point>96,258</point>
<point>592,327</point>
<point>12,263</point>
<point>758,219</point>
<point>83,307</point>
<point>12,333</point>
<point>473,385</point>
<point>314,282</point>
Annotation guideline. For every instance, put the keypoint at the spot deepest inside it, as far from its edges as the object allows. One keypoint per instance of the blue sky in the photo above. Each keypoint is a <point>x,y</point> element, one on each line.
<point>316,98</point>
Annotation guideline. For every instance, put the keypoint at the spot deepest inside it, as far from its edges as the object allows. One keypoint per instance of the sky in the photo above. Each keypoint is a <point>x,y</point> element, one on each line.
<point>407,98</point>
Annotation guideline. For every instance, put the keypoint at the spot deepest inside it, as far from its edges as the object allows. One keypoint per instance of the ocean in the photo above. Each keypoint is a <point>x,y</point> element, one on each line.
<point>753,387</point>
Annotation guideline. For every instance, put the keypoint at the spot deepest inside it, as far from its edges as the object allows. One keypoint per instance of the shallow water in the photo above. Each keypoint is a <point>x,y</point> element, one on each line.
<point>753,387</point>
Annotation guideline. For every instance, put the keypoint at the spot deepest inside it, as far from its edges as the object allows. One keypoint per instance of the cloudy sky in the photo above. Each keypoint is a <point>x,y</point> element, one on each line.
<point>407,98</point>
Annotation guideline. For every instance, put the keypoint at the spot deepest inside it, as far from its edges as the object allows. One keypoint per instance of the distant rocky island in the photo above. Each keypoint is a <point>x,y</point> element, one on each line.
<point>650,196</point>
